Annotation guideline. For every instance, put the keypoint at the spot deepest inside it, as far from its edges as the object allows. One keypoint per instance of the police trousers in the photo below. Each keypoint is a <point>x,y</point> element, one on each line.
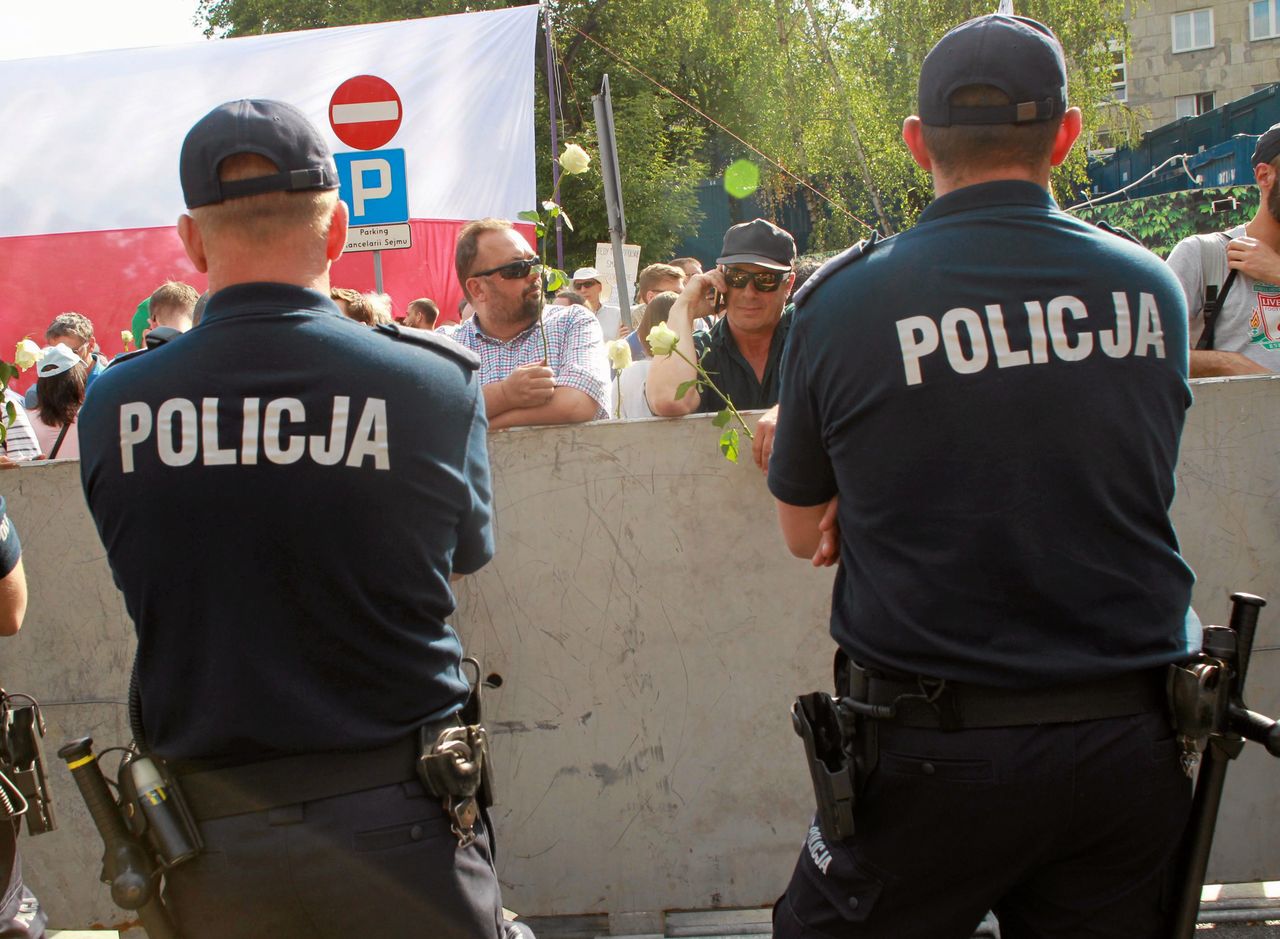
<point>1066,831</point>
<point>382,862</point>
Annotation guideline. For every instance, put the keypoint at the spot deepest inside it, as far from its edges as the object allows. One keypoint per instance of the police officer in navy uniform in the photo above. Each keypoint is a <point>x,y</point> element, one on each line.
<point>980,418</point>
<point>284,496</point>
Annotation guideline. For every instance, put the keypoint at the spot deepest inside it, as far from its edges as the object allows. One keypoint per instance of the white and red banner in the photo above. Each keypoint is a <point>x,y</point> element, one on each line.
<point>89,190</point>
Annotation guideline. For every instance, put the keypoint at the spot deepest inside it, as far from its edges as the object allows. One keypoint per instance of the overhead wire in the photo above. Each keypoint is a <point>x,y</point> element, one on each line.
<point>1091,202</point>
<point>711,120</point>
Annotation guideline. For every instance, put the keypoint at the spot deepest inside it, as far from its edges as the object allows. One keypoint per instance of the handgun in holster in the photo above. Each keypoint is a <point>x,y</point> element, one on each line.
<point>24,787</point>
<point>454,765</point>
<point>817,718</point>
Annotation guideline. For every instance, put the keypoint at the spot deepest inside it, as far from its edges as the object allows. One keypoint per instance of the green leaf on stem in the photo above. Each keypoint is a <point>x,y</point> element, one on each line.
<point>529,215</point>
<point>555,279</point>
<point>684,387</point>
<point>729,444</point>
<point>564,217</point>
<point>540,229</point>
<point>722,419</point>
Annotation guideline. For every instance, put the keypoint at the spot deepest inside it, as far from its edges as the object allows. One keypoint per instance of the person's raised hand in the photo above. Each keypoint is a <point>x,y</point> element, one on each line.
<point>1254,258</point>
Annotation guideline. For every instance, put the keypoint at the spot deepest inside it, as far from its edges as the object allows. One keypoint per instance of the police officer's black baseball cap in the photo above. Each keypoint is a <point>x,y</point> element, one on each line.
<point>1013,53</point>
<point>272,129</point>
<point>758,242</point>
<point>1268,147</point>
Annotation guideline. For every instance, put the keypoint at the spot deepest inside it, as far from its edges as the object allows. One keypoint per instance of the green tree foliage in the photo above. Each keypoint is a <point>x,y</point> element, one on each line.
<point>758,68</point>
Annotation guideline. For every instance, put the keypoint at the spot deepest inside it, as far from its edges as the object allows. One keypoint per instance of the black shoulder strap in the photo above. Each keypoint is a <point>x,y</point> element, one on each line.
<point>57,444</point>
<point>1213,300</point>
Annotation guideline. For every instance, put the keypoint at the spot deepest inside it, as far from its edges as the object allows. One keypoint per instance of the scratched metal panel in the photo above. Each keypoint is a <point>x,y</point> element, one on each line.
<point>1228,517</point>
<point>651,632</point>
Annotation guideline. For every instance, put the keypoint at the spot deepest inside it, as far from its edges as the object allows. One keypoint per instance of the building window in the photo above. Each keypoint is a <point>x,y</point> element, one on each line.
<point>1264,19</point>
<point>1192,105</point>
<point>1120,70</point>
<point>1193,30</point>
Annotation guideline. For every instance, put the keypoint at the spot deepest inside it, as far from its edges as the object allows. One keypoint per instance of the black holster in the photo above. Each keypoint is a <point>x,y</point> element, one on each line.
<point>817,719</point>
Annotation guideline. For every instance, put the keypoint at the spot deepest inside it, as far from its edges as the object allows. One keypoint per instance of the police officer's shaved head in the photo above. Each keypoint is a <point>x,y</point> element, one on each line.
<point>993,90</point>
<point>261,187</point>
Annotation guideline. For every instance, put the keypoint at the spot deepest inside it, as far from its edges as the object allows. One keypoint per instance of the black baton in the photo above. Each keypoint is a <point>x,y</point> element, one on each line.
<point>1232,647</point>
<point>125,865</point>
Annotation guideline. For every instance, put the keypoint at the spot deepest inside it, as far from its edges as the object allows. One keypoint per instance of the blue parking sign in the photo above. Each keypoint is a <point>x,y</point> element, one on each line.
<point>372,184</point>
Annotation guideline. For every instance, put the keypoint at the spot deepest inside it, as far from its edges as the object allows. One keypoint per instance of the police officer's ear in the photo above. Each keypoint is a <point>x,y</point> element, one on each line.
<point>193,242</point>
<point>1068,131</point>
<point>337,239</point>
<point>913,137</point>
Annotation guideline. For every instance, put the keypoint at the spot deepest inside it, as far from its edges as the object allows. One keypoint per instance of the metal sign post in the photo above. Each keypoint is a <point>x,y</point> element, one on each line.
<point>365,112</point>
<point>612,179</point>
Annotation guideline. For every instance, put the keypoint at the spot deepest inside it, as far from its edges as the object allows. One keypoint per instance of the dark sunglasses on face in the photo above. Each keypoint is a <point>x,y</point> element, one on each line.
<point>765,281</point>
<point>514,270</point>
<point>584,284</point>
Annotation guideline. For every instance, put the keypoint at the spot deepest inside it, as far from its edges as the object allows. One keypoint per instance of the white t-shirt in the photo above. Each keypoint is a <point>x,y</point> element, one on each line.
<point>1249,321</point>
<point>629,388</point>
<point>610,318</point>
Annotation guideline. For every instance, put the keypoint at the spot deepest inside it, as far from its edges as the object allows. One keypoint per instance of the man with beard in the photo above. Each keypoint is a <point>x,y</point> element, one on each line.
<point>536,366</point>
<point>1232,282</point>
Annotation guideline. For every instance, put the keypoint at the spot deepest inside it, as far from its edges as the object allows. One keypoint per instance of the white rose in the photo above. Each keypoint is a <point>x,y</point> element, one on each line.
<point>619,354</point>
<point>126,337</point>
<point>662,339</point>
<point>27,354</point>
<point>574,159</point>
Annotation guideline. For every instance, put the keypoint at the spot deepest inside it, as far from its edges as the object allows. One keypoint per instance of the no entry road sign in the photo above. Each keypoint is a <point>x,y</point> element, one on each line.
<point>365,112</point>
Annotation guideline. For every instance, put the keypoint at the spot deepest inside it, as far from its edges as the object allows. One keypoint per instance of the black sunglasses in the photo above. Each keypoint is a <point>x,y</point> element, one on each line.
<point>765,281</point>
<point>514,270</point>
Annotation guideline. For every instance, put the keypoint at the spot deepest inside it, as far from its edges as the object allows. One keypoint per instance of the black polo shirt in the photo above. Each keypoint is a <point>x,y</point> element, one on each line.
<point>733,374</point>
<point>997,397</point>
<point>283,494</point>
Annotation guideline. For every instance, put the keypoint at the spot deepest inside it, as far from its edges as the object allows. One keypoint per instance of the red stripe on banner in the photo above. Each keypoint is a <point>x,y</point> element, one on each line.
<point>105,275</point>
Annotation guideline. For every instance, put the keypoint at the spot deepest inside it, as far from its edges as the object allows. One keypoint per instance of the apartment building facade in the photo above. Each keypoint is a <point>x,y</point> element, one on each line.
<point>1191,56</point>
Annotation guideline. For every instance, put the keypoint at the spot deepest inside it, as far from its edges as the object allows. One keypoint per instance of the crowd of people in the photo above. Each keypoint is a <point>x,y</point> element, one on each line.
<point>735,317</point>
<point>588,348</point>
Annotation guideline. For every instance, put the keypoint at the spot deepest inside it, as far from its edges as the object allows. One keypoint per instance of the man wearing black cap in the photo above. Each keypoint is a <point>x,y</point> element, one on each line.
<point>293,675</point>
<point>1232,282</point>
<point>743,351</point>
<point>988,407</point>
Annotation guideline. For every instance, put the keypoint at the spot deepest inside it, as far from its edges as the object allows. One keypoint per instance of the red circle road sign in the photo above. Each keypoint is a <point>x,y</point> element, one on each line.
<point>365,112</point>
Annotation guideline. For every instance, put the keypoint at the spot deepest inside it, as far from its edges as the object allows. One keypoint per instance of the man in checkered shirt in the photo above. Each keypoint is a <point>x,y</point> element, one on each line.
<point>502,278</point>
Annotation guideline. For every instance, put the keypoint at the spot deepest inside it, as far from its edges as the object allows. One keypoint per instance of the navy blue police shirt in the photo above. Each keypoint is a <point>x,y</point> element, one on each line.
<point>283,494</point>
<point>997,397</point>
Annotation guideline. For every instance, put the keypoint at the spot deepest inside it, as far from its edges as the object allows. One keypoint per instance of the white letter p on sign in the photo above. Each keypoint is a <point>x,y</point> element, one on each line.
<point>360,192</point>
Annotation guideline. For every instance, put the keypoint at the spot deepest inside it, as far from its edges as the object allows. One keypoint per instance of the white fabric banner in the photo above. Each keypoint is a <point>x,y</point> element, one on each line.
<point>93,140</point>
